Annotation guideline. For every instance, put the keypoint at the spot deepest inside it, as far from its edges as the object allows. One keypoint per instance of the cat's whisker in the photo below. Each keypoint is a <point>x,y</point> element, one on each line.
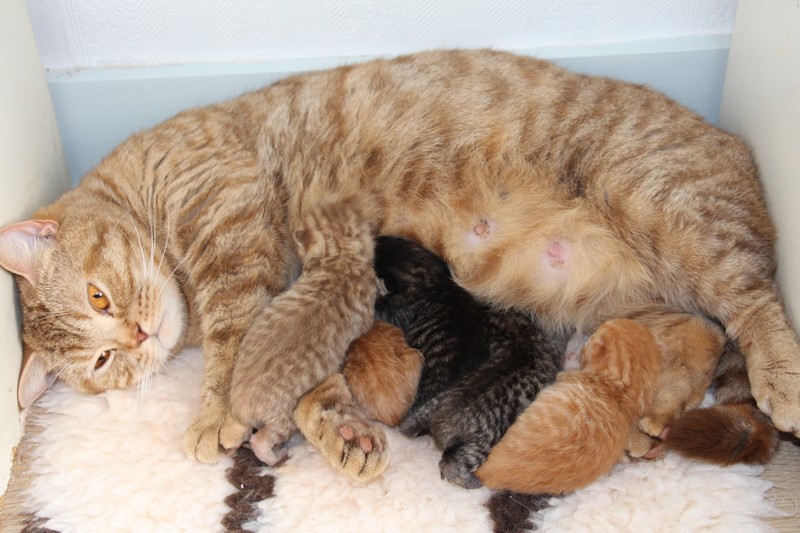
<point>51,315</point>
<point>139,281</point>
<point>160,290</point>
<point>166,244</point>
<point>139,239</point>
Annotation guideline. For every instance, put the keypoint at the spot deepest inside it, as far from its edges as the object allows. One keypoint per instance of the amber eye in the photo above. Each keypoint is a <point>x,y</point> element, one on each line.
<point>103,359</point>
<point>97,298</point>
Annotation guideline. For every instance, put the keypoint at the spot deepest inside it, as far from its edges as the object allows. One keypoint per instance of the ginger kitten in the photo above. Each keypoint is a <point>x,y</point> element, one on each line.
<point>577,429</point>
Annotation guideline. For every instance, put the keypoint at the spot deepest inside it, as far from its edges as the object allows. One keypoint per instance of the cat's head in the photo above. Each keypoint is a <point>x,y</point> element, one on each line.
<point>100,307</point>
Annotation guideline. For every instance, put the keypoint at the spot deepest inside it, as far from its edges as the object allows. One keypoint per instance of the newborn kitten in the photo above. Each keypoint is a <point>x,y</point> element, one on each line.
<point>466,409</point>
<point>577,428</point>
<point>469,419</point>
<point>438,318</point>
<point>302,336</point>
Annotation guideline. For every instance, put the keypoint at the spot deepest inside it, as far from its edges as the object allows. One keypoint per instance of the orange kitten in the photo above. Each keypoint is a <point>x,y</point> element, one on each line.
<point>577,429</point>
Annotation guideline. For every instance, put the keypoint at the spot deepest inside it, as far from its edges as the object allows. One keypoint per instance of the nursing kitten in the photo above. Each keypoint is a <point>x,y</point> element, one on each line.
<point>569,196</point>
<point>298,340</point>
<point>466,408</point>
<point>383,372</point>
<point>438,318</point>
<point>577,428</point>
<point>469,419</point>
<point>691,347</point>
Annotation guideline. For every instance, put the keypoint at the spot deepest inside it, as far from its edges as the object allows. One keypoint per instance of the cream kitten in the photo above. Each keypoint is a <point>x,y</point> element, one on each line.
<point>302,336</point>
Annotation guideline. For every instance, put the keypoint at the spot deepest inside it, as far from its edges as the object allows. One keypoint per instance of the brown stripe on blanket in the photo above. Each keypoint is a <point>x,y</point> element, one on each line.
<point>511,512</point>
<point>253,486</point>
<point>35,525</point>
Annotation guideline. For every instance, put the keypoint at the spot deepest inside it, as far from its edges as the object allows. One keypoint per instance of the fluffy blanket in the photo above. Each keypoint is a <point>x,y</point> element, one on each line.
<point>114,462</point>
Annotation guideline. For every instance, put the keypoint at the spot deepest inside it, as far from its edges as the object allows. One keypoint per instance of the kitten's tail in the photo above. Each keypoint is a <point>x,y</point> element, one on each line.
<point>733,430</point>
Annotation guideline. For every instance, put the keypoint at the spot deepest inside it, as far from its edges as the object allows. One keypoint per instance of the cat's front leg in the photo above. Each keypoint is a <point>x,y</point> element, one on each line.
<point>772,352</point>
<point>235,265</point>
<point>215,429</point>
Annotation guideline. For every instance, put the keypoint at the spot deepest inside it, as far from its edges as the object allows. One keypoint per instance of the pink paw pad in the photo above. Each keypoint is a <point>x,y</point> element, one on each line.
<point>364,442</point>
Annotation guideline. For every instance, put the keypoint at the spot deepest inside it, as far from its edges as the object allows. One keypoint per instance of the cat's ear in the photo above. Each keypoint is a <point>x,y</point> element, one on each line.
<point>33,380</point>
<point>21,246</point>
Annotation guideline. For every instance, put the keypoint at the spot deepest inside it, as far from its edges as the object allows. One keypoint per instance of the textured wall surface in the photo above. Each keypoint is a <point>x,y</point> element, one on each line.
<point>102,33</point>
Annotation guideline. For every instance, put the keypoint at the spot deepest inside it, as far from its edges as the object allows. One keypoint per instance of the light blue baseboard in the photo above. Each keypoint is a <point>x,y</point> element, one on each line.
<point>98,108</point>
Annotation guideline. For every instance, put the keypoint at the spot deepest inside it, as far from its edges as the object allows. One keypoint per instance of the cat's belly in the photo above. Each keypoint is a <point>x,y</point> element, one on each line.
<point>554,260</point>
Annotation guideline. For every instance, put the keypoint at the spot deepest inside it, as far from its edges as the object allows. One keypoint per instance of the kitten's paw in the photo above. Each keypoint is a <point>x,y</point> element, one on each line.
<point>460,460</point>
<point>458,474</point>
<point>266,449</point>
<point>654,425</point>
<point>211,434</point>
<point>640,444</point>
<point>351,442</point>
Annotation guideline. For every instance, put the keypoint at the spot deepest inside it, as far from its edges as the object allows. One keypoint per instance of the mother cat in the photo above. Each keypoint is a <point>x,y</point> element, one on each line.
<point>572,196</point>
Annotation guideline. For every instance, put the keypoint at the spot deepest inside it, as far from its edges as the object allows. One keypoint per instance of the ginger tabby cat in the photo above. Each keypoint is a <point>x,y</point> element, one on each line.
<point>571,196</point>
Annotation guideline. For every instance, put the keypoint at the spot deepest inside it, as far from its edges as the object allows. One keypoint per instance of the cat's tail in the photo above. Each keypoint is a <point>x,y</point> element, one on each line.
<point>732,431</point>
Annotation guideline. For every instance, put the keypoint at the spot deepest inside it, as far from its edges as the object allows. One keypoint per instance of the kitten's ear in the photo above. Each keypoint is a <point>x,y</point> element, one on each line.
<point>33,380</point>
<point>21,246</point>
<point>593,351</point>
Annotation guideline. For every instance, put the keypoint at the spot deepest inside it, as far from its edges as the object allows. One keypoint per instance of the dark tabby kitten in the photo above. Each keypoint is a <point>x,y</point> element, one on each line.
<point>469,419</point>
<point>466,408</point>
<point>438,317</point>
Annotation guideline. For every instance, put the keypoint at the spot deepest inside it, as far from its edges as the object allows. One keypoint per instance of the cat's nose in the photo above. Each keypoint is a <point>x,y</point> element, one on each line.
<point>141,335</point>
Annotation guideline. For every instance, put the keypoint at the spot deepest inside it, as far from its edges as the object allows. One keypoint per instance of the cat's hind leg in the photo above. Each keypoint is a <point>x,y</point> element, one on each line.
<point>331,420</point>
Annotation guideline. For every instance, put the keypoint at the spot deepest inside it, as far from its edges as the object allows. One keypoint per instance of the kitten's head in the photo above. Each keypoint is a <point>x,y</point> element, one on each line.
<point>100,308</point>
<point>405,266</point>
<point>624,351</point>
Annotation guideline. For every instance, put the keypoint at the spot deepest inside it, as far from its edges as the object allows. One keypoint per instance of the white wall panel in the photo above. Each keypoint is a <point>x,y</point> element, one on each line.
<point>101,33</point>
<point>761,102</point>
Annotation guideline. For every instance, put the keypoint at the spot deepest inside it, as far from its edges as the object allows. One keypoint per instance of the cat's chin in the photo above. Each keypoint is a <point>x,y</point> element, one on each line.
<point>169,332</point>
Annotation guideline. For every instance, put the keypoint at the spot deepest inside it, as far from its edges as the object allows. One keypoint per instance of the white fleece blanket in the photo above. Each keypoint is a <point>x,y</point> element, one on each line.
<point>114,462</point>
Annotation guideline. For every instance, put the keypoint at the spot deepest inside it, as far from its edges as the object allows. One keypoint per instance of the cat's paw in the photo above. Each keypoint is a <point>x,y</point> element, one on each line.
<point>459,461</point>
<point>266,448</point>
<point>777,394</point>
<point>213,432</point>
<point>654,425</point>
<point>352,442</point>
